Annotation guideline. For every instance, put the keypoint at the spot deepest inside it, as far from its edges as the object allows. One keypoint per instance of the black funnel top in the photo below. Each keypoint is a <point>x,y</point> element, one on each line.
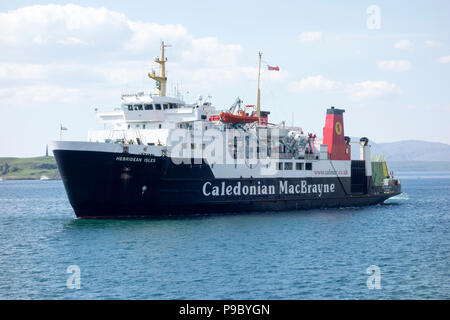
<point>333,110</point>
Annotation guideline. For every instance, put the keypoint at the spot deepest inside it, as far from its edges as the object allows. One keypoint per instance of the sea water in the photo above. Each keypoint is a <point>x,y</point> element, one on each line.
<point>398,250</point>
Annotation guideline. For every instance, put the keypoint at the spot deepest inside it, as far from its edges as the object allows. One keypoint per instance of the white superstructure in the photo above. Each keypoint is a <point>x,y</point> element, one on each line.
<point>147,118</point>
<point>154,124</point>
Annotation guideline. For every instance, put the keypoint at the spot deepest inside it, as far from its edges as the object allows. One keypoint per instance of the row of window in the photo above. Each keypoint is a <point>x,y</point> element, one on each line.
<point>143,126</point>
<point>156,106</point>
<point>193,146</point>
<point>290,166</point>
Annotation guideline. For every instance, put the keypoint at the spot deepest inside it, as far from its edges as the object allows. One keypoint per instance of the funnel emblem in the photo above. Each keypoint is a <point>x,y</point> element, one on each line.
<point>338,128</point>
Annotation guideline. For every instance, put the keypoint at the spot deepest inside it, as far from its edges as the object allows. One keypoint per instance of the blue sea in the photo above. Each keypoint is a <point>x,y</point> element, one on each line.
<point>315,254</point>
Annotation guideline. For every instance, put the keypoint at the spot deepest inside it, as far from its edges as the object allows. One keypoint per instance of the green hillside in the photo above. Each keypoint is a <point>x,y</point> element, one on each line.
<point>28,168</point>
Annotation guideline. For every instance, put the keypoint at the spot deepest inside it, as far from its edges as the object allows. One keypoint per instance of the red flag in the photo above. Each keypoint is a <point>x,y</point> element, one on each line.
<point>273,68</point>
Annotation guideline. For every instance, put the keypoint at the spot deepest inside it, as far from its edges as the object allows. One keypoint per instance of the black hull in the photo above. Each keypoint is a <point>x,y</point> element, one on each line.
<point>109,185</point>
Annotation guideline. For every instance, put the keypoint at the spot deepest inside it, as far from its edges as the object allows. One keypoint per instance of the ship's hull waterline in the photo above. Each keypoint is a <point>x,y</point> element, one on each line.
<point>100,186</point>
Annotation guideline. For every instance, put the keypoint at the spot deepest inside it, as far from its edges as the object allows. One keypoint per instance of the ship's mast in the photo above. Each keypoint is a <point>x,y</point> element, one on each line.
<point>258,96</point>
<point>161,80</point>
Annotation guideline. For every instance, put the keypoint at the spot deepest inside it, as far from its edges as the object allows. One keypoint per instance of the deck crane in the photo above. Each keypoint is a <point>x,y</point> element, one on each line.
<point>236,103</point>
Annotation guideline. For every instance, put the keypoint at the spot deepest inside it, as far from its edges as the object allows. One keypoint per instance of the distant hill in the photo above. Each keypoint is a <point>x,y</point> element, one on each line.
<point>416,166</point>
<point>28,168</point>
<point>410,155</point>
<point>413,150</point>
<point>407,150</point>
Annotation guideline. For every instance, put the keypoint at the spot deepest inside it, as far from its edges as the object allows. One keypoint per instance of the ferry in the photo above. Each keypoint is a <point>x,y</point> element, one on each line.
<point>162,156</point>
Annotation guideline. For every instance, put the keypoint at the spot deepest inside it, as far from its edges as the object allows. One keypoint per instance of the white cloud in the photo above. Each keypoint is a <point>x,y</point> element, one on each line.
<point>310,36</point>
<point>71,73</point>
<point>209,77</point>
<point>120,75</point>
<point>21,71</point>
<point>38,39</point>
<point>103,32</point>
<point>251,73</point>
<point>73,41</point>
<point>314,83</point>
<point>408,107</point>
<point>444,60</point>
<point>145,35</point>
<point>395,65</point>
<point>210,51</point>
<point>359,91</point>
<point>434,43</point>
<point>50,24</point>
<point>370,90</point>
<point>38,93</point>
<point>403,44</point>
<point>437,107</point>
<point>76,46</point>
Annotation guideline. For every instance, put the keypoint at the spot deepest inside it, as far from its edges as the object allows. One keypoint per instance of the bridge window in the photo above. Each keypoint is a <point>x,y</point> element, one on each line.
<point>143,126</point>
<point>165,106</point>
<point>308,166</point>
<point>138,107</point>
<point>148,106</point>
<point>299,166</point>
<point>288,166</point>
<point>157,106</point>
<point>130,107</point>
<point>280,165</point>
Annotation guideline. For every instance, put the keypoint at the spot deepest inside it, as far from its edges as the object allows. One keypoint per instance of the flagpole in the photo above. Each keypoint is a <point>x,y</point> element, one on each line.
<point>60,132</point>
<point>258,96</point>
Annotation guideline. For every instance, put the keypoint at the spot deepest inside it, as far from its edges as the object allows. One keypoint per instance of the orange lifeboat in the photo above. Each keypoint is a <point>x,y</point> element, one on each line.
<point>240,117</point>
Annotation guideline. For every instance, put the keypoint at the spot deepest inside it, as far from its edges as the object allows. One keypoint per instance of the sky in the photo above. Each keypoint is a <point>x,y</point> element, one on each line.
<point>387,63</point>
